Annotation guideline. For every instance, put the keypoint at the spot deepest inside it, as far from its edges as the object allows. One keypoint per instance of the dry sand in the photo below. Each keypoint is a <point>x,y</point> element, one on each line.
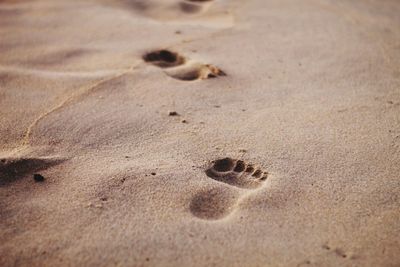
<point>284,149</point>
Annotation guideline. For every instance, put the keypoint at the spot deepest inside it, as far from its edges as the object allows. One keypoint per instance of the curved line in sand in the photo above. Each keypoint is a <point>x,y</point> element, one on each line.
<point>82,91</point>
<point>58,74</point>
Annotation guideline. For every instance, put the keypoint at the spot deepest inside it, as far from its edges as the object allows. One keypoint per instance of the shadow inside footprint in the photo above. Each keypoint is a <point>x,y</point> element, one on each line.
<point>237,173</point>
<point>193,6</point>
<point>190,7</point>
<point>164,58</point>
<point>12,169</point>
<point>213,204</point>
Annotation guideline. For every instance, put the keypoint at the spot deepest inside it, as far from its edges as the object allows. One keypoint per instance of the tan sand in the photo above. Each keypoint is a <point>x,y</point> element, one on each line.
<point>284,149</point>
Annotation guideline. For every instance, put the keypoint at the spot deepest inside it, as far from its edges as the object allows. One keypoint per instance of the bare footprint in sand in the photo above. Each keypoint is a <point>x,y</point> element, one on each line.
<point>13,169</point>
<point>163,9</point>
<point>194,6</point>
<point>212,204</point>
<point>178,67</point>
<point>188,12</point>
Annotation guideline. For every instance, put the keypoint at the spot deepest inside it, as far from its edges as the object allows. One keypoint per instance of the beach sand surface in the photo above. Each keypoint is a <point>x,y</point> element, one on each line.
<point>200,133</point>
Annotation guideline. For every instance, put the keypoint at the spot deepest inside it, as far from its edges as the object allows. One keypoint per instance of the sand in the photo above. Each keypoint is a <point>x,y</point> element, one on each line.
<point>205,133</point>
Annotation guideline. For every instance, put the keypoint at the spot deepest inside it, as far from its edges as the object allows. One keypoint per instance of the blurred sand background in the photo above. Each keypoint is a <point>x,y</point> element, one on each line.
<point>307,92</point>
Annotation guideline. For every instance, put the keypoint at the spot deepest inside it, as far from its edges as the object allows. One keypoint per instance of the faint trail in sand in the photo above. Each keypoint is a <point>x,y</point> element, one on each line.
<point>59,74</point>
<point>75,95</point>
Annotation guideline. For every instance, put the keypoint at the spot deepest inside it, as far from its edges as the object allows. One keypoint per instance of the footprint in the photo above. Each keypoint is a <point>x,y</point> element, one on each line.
<point>194,6</point>
<point>162,9</point>
<point>214,204</point>
<point>180,68</point>
<point>13,169</point>
<point>186,12</point>
<point>237,173</point>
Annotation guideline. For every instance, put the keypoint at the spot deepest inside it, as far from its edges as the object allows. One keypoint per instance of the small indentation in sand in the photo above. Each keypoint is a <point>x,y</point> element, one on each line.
<point>173,113</point>
<point>164,58</point>
<point>240,166</point>
<point>237,173</point>
<point>38,177</point>
<point>223,165</point>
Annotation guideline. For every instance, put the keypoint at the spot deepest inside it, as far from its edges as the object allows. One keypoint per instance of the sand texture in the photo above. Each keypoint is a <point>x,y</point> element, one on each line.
<point>200,133</point>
